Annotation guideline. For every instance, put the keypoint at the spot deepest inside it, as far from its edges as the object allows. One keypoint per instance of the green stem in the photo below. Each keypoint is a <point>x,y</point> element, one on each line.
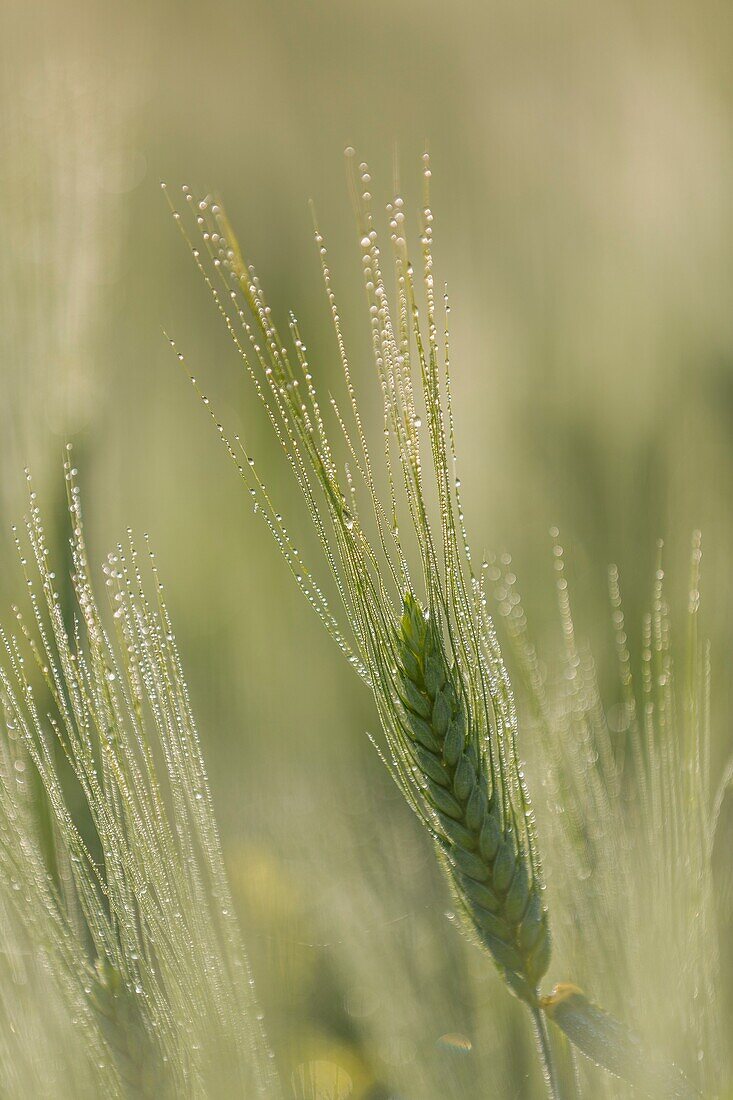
<point>544,1047</point>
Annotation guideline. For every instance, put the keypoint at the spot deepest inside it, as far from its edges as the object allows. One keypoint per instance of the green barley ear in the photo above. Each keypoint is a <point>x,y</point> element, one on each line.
<point>413,621</point>
<point>436,671</point>
<point>489,869</point>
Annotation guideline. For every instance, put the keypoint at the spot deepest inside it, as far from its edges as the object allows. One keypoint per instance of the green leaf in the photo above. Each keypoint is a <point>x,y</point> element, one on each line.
<point>611,1044</point>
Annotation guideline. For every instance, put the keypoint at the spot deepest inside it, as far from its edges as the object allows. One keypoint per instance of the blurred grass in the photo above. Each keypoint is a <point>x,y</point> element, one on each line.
<point>583,172</point>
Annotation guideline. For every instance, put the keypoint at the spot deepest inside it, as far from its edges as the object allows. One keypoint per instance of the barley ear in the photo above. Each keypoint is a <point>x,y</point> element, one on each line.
<point>488,867</point>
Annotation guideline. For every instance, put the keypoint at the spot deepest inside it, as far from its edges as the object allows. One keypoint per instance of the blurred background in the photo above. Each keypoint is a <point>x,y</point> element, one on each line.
<point>583,182</point>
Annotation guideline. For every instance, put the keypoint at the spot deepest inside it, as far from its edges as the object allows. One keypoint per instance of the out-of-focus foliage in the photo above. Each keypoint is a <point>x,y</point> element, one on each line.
<point>583,168</point>
<point>112,881</point>
<point>632,812</point>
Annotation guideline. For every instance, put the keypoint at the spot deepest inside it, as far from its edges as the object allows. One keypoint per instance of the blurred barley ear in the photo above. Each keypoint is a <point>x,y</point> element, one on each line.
<point>632,820</point>
<point>132,929</point>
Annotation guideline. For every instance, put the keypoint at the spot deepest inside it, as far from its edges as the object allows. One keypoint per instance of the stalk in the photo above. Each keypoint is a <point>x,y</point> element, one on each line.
<point>547,1058</point>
